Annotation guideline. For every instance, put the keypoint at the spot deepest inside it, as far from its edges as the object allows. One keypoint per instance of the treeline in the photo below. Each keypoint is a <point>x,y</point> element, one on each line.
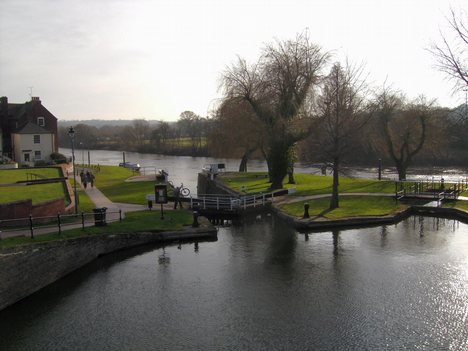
<point>187,136</point>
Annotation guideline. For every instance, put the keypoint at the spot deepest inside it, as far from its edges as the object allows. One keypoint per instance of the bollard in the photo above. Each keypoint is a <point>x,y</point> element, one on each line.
<point>150,204</point>
<point>195,223</point>
<point>306,211</point>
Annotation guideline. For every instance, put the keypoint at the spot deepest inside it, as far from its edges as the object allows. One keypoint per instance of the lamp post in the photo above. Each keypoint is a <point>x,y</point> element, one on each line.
<point>71,134</point>
<point>82,153</point>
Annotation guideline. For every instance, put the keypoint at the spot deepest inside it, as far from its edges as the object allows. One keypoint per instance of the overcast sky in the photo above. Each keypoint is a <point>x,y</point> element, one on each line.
<point>155,59</point>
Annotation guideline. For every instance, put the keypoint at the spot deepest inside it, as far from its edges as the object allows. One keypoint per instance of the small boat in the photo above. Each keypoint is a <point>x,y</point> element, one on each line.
<point>132,166</point>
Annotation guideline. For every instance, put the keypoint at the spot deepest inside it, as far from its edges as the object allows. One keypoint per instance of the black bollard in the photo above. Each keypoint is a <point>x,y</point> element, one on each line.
<point>195,223</point>
<point>306,211</point>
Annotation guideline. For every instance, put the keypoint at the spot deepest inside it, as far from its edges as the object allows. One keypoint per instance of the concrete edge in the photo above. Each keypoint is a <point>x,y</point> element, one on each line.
<point>311,224</point>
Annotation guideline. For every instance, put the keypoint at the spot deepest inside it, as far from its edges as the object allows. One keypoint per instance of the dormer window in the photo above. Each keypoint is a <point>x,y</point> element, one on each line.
<point>41,121</point>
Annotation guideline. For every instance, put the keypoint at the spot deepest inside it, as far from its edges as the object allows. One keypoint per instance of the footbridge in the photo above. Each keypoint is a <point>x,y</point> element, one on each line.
<point>228,206</point>
<point>430,189</point>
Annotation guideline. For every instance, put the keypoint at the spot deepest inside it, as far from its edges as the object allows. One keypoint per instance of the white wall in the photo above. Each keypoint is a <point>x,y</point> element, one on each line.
<point>23,142</point>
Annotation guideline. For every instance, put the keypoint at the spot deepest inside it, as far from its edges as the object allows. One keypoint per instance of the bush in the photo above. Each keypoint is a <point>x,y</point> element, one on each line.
<point>58,158</point>
<point>40,163</point>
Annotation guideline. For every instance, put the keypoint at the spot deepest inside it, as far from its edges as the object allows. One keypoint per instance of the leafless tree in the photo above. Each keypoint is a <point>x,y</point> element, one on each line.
<point>342,112</point>
<point>452,53</point>
<point>276,88</point>
<point>403,128</point>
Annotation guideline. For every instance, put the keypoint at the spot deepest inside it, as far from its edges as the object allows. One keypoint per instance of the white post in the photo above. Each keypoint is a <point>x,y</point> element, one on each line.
<point>204,203</point>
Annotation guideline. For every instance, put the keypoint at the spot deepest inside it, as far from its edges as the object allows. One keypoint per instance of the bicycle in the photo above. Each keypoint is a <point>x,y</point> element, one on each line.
<point>182,190</point>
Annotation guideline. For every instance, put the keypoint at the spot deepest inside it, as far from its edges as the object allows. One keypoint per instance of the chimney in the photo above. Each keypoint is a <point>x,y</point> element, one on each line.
<point>35,99</point>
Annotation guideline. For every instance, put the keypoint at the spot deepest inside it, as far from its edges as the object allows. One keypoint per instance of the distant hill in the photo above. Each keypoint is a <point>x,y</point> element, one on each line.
<point>101,122</point>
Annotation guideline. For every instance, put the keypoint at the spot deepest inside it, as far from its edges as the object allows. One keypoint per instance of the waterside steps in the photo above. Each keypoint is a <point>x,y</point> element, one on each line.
<point>437,191</point>
<point>228,207</point>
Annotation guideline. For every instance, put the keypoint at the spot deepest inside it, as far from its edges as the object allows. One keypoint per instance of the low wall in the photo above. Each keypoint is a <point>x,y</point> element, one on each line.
<point>27,269</point>
<point>24,208</point>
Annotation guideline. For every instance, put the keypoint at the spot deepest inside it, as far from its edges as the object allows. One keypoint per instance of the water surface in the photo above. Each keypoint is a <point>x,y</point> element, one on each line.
<point>262,286</point>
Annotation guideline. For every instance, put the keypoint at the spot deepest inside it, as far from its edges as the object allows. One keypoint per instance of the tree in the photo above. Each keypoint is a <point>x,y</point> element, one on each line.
<point>276,88</point>
<point>452,54</point>
<point>403,128</point>
<point>342,112</point>
<point>236,132</point>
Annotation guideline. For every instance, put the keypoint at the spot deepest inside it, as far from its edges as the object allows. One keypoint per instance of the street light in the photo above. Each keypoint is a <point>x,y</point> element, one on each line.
<point>82,153</point>
<point>71,134</point>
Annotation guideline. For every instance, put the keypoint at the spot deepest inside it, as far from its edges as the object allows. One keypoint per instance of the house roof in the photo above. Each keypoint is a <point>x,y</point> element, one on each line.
<point>31,128</point>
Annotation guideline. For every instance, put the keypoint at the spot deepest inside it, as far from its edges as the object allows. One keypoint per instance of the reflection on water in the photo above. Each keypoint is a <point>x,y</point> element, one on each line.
<point>262,286</point>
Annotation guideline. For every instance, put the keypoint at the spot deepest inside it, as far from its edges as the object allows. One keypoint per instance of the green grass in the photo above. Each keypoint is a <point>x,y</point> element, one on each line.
<point>307,184</point>
<point>38,193</point>
<point>141,221</point>
<point>11,176</point>
<point>350,206</point>
<point>111,181</point>
<point>459,204</point>
<point>85,203</point>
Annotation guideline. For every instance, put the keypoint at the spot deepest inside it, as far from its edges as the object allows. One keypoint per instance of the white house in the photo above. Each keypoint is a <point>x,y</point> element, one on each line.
<point>32,143</point>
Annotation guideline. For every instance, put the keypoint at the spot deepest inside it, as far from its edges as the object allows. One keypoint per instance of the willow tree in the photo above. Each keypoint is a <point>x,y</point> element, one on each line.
<point>277,87</point>
<point>236,131</point>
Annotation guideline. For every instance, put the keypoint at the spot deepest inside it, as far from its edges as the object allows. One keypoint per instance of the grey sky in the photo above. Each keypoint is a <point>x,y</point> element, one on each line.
<point>156,59</point>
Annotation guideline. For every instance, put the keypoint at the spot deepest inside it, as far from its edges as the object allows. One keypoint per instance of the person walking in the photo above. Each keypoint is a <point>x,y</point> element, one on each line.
<point>91,179</point>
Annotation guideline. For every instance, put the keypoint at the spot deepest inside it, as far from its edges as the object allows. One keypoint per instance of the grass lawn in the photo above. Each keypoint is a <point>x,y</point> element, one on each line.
<point>111,181</point>
<point>350,206</point>
<point>85,203</point>
<point>10,176</point>
<point>38,193</point>
<point>141,221</point>
<point>462,205</point>
<point>307,184</point>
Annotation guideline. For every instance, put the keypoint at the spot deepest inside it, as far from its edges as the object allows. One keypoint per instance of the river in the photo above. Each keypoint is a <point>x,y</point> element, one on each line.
<point>261,286</point>
<point>184,169</point>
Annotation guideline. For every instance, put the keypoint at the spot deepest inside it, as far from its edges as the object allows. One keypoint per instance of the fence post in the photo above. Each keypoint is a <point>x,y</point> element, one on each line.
<point>217,203</point>
<point>120,215</point>
<point>254,201</point>
<point>82,220</point>
<point>31,226</point>
<point>204,203</point>
<point>59,224</point>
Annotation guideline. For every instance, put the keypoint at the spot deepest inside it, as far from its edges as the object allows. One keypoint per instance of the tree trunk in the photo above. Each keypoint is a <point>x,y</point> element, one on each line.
<point>278,164</point>
<point>244,160</point>
<point>334,201</point>
<point>401,168</point>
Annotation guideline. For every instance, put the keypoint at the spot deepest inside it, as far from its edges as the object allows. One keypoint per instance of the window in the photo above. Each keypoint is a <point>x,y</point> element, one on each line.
<point>41,121</point>
<point>37,139</point>
<point>26,157</point>
<point>37,155</point>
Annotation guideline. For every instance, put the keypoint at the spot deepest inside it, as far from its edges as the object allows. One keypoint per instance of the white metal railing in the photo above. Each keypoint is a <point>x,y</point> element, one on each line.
<point>228,202</point>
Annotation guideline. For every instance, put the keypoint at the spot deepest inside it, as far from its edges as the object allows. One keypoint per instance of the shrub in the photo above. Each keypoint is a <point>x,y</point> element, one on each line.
<point>58,158</point>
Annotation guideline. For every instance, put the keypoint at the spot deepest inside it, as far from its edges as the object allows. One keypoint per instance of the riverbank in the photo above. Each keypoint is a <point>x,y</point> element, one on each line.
<point>29,268</point>
<point>376,206</point>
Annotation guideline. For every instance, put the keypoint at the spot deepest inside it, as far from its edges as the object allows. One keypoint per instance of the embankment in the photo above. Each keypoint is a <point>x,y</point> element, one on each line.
<point>27,269</point>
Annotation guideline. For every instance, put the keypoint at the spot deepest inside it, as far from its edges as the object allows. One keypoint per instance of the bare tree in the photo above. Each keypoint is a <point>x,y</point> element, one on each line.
<point>403,128</point>
<point>452,54</point>
<point>276,88</point>
<point>342,112</point>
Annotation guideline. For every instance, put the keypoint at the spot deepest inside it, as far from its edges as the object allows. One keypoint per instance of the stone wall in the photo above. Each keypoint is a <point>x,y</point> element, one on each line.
<point>26,269</point>
<point>206,186</point>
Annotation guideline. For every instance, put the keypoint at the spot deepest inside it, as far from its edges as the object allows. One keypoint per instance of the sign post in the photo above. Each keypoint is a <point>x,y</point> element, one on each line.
<point>160,197</point>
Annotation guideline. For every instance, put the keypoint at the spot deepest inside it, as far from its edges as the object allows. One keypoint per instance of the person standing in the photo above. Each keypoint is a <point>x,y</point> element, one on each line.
<point>177,198</point>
